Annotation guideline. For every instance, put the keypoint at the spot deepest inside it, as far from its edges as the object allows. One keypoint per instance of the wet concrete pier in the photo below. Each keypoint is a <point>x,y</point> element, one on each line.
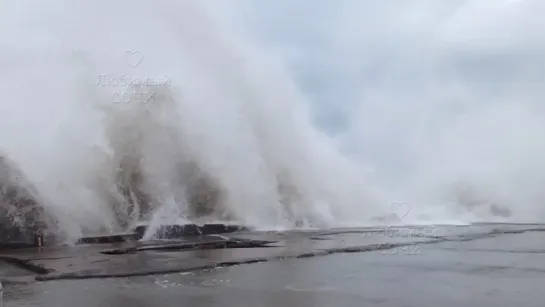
<point>477,265</point>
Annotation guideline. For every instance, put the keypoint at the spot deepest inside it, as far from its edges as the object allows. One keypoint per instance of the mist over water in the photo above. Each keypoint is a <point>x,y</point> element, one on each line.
<point>310,114</point>
<point>441,103</point>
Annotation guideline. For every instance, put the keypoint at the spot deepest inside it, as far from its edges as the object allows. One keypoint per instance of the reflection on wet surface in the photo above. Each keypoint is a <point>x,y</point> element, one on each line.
<point>500,270</point>
<point>338,280</point>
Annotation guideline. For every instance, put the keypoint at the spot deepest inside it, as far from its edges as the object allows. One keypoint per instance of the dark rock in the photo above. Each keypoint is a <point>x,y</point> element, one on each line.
<point>108,239</point>
<point>22,217</point>
<point>211,243</point>
<point>179,231</point>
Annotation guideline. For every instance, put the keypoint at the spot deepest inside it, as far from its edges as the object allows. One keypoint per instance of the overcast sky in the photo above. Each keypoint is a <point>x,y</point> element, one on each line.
<point>396,80</point>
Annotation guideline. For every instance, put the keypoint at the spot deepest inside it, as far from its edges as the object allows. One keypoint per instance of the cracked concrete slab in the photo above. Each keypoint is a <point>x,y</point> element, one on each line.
<point>199,252</point>
<point>483,265</point>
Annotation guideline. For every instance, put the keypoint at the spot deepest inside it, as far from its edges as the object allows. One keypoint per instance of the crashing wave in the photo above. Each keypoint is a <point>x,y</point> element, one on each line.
<point>22,213</point>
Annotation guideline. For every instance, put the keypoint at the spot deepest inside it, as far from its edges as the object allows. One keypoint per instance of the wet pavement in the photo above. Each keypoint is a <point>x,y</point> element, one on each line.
<point>478,265</point>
